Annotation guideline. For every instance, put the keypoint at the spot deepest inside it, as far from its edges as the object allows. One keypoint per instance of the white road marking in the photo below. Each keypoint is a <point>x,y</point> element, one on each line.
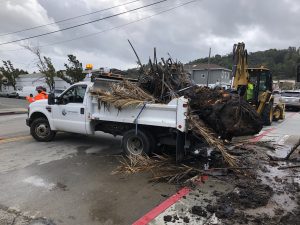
<point>282,140</point>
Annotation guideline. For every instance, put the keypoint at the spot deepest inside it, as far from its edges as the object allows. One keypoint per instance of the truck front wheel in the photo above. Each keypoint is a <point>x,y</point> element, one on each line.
<point>137,143</point>
<point>41,131</point>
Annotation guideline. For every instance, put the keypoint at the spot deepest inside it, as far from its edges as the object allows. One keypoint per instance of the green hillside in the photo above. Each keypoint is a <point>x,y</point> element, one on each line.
<point>283,62</point>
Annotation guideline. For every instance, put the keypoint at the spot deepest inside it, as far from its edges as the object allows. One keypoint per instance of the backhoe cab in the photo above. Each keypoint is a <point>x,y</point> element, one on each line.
<point>262,97</point>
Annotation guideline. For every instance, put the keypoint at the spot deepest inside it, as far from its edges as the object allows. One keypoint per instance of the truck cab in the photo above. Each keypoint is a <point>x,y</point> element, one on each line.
<point>64,113</point>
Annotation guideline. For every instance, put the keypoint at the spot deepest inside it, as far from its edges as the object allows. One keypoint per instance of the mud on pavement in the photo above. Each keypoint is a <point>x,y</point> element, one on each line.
<point>14,217</point>
<point>271,197</point>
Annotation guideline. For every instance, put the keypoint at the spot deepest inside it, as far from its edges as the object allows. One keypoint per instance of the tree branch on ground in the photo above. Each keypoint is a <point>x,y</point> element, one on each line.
<point>1,80</point>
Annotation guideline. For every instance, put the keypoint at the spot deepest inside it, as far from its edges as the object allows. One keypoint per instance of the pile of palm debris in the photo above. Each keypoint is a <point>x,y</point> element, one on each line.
<point>226,114</point>
<point>162,167</point>
<point>214,114</point>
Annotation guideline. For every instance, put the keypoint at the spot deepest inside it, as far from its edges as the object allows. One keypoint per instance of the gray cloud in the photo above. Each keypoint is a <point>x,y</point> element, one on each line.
<point>186,33</point>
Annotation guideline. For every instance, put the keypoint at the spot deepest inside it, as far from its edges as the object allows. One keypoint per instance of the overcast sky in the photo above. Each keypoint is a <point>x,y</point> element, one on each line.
<point>186,32</point>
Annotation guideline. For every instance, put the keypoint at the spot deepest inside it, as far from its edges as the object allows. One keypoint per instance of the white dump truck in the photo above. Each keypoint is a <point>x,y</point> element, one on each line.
<point>143,127</point>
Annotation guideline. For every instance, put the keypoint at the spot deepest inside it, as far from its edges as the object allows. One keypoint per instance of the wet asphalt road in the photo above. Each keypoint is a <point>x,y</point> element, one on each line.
<point>6,103</point>
<point>69,180</point>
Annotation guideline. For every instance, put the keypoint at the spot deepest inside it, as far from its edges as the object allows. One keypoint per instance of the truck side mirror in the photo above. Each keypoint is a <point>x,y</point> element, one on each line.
<point>51,99</point>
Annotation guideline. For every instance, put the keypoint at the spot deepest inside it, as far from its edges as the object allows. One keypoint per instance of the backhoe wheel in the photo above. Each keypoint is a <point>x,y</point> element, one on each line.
<point>282,115</point>
<point>41,131</point>
<point>267,114</point>
<point>277,114</point>
<point>137,144</point>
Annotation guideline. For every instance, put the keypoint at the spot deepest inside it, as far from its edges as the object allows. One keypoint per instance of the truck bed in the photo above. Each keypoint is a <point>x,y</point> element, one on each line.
<point>171,115</point>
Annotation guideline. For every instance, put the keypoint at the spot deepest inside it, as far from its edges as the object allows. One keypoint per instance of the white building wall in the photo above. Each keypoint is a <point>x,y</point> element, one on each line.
<point>223,77</point>
<point>35,80</point>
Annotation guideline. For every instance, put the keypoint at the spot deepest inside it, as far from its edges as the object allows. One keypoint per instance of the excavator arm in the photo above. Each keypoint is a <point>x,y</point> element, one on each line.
<point>240,68</point>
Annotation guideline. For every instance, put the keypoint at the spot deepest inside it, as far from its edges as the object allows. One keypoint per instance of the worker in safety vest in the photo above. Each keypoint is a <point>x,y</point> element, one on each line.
<point>250,91</point>
<point>41,95</point>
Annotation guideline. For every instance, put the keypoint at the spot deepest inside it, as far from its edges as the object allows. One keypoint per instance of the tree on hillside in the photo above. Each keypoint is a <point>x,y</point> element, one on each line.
<point>11,73</point>
<point>1,82</point>
<point>45,66</point>
<point>282,63</point>
<point>73,72</point>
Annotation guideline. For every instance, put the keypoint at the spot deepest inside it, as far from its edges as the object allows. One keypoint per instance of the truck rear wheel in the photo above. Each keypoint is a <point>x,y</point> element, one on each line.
<point>41,131</point>
<point>137,144</point>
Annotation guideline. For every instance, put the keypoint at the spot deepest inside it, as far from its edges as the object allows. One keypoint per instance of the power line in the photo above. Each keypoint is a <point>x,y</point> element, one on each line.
<point>101,31</point>
<point>82,24</point>
<point>113,28</point>
<point>67,19</point>
<point>122,25</point>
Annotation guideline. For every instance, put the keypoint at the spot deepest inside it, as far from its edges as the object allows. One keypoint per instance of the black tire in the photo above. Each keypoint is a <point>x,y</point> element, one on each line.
<point>267,114</point>
<point>41,131</point>
<point>137,144</point>
<point>277,113</point>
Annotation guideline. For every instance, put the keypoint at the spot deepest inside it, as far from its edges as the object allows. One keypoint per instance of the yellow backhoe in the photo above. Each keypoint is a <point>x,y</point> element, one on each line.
<point>256,86</point>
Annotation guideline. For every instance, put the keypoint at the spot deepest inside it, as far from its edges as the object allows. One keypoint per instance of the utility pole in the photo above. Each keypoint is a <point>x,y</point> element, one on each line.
<point>208,67</point>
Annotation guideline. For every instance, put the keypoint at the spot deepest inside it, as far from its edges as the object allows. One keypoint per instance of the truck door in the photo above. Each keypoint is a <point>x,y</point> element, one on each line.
<point>69,113</point>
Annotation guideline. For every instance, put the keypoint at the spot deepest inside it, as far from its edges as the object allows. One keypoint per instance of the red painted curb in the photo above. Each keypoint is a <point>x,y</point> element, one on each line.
<point>259,137</point>
<point>162,207</point>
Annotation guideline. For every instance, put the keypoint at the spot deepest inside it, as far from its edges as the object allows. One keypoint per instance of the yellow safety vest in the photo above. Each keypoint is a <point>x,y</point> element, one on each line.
<point>250,90</point>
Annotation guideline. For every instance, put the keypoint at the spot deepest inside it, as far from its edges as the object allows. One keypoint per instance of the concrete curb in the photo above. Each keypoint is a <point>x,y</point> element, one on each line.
<point>5,113</point>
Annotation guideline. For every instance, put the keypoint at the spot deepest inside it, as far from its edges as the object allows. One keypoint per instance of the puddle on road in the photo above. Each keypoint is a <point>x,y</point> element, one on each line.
<point>38,182</point>
<point>284,146</point>
<point>81,150</point>
<point>284,184</point>
<point>282,140</point>
<point>283,180</point>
